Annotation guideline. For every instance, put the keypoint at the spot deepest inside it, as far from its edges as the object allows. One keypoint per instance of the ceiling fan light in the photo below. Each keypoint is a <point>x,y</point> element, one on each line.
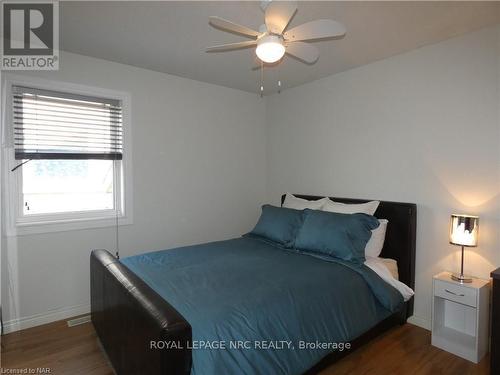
<point>270,49</point>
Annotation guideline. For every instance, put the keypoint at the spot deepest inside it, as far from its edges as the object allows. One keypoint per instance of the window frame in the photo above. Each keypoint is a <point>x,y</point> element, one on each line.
<point>17,223</point>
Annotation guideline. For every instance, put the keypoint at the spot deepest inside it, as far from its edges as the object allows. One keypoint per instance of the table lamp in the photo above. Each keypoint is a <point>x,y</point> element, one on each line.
<point>463,232</point>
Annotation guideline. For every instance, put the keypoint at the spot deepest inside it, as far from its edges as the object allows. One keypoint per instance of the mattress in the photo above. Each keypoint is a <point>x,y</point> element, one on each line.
<point>256,308</point>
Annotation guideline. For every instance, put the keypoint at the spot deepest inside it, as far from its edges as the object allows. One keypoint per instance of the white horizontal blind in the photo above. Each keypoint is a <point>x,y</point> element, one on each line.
<point>57,125</point>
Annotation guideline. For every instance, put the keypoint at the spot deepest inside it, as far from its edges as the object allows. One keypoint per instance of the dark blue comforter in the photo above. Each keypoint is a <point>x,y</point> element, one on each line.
<point>267,307</point>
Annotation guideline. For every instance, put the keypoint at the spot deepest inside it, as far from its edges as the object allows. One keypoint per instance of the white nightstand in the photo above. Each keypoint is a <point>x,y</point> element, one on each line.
<point>460,316</point>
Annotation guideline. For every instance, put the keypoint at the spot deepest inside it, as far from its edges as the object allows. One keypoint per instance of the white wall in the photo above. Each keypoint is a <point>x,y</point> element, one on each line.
<point>199,175</point>
<point>420,127</point>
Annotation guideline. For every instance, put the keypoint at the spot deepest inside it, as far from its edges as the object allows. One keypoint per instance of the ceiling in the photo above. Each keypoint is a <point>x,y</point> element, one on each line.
<point>171,37</point>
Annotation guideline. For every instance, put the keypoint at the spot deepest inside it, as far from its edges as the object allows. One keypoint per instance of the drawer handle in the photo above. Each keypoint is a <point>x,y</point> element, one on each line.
<point>455,294</point>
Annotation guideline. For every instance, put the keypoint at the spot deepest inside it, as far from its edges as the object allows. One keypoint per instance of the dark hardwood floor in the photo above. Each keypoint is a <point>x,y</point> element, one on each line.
<point>405,350</point>
<point>402,350</point>
<point>56,346</point>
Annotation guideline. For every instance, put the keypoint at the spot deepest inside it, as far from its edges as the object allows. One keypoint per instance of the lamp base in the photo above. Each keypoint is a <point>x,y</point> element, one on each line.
<point>461,278</point>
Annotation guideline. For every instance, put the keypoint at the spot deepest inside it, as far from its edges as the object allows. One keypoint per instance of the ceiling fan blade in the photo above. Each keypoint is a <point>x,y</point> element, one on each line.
<point>315,30</point>
<point>231,46</point>
<point>303,51</point>
<point>278,15</point>
<point>226,25</point>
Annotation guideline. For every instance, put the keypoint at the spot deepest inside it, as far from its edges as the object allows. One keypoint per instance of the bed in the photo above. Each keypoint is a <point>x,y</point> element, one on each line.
<point>241,292</point>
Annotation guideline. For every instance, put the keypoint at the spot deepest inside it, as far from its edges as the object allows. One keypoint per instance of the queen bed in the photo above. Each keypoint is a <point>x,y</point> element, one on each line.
<point>246,305</point>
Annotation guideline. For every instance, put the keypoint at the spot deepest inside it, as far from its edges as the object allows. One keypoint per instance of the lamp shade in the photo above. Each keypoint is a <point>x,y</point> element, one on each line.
<point>464,230</point>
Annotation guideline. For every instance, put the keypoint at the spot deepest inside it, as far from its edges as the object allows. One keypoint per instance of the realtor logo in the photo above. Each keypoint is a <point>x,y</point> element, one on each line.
<point>30,35</point>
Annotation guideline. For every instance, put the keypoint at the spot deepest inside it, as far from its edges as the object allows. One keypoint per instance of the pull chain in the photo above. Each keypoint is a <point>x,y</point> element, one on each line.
<point>261,78</point>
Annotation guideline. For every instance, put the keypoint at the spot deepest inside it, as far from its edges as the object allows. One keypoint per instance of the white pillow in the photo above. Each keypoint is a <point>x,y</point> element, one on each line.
<point>343,208</point>
<point>392,266</point>
<point>374,246</point>
<point>292,201</point>
<point>379,266</point>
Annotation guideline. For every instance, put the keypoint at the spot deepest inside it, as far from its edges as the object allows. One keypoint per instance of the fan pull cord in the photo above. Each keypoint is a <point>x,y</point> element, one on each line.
<point>261,78</point>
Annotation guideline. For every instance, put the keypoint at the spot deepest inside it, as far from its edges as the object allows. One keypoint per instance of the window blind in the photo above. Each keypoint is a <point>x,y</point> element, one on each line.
<point>56,125</point>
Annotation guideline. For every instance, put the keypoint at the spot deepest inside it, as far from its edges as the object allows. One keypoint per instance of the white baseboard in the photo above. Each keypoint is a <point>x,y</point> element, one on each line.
<point>69,312</point>
<point>39,319</point>
<point>421,322</point>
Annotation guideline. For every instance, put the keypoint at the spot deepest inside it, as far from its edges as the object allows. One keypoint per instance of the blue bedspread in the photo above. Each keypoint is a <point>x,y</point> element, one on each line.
<point>269,301</point>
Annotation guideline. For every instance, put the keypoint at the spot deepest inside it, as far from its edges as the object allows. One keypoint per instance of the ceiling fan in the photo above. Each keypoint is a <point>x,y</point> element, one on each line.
<point>272,41</point>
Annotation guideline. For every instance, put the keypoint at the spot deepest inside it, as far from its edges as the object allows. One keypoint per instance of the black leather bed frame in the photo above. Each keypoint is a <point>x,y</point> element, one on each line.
<point>127,314</point>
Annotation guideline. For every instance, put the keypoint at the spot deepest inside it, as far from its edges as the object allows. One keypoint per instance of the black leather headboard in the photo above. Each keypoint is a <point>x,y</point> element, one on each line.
<point>400,238</point>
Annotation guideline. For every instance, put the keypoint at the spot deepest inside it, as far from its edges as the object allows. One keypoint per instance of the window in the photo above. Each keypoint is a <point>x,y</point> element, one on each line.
<point>67,169</point>
<point>52,186</point>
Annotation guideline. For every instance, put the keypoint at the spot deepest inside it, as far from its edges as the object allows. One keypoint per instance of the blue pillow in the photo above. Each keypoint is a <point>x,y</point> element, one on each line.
<point>278,224</point>
<point>337,235</point>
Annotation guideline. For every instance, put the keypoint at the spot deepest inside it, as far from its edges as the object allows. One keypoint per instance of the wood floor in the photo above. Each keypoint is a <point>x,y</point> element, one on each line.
<point>402,350</point>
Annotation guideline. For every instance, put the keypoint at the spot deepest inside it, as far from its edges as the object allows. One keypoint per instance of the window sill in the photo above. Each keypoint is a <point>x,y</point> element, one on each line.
<point>29,228</point>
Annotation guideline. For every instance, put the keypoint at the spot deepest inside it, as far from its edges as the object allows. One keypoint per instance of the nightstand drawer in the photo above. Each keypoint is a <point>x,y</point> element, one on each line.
<point>457,293</point>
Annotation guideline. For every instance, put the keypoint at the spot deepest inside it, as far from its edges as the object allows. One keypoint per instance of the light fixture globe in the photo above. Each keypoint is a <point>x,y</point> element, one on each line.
<point>270,48</point>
